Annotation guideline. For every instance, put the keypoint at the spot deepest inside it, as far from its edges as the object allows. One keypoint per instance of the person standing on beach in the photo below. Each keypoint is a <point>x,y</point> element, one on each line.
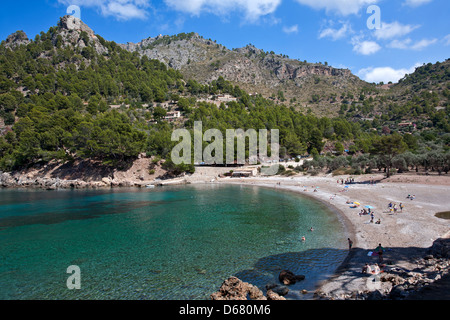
<point>379,250</point>
<point>350,244</point>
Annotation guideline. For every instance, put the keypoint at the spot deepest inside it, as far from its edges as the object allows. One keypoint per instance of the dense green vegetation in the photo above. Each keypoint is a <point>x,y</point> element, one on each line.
<point>55,101</point>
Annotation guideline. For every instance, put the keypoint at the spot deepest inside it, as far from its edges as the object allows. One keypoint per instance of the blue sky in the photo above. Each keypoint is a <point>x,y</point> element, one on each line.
<point>407,34</point>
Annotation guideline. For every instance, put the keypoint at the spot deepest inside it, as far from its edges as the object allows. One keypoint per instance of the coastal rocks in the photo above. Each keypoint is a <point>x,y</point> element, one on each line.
<point>400,284</point>
<point>440,249</point>
<point>235,289</point>
<point>287,277</point>
<point>271,295</point>
<point>7,180</point>
<point>278,289</point>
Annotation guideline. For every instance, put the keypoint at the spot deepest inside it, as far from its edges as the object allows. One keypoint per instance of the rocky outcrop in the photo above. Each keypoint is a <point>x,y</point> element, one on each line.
<point>8,180</point>
<point>76,33</point>
<point>249,67</point>
<point>175,51</point>
<point>287,71</point>
<point>400,284</point>
<point>235,289</point>
<point>287,277</point>
<point>88,174</point>
<point>16,39</point>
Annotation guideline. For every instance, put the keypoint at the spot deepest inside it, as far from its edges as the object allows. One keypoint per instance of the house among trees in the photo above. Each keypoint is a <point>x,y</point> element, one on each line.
<point>172,115</point>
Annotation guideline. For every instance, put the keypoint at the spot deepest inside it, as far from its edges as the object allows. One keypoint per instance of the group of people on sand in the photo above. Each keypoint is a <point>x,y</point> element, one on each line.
<point>376,267</point>
<point>346,181</point>
<point>370,212</point>
<point>377,252</point>
<point>368,269</point>
<point>393,208</point>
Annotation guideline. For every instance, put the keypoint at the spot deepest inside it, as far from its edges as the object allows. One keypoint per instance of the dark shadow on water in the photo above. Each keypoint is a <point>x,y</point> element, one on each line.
<point>347,264</point>
<point>316,264</point>
<point>81,212</point>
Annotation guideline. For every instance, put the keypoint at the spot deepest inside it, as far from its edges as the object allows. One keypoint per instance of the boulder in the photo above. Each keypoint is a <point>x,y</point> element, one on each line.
<point>278,289</point>
<point>235,289</point>
<point>287,277</point>
<point>274,296</point>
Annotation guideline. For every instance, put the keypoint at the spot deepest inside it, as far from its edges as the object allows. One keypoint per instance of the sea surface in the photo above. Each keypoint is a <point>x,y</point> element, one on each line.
<point>168,243</point>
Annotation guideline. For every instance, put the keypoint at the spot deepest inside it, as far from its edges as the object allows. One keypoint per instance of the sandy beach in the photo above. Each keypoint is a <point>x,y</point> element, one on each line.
<point>405,234</point>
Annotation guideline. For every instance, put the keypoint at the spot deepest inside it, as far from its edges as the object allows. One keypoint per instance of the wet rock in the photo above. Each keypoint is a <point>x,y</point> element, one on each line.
<point>278,289</point>
<point>274,296</point>
<point>287,277</point>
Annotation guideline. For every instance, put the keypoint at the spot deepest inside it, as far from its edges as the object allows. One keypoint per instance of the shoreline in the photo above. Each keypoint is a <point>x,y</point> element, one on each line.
<point>347,224</point>
<point>406,235</point>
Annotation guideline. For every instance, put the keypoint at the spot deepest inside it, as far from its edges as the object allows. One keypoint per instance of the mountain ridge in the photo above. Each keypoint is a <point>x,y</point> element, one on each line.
<point>253,69</point>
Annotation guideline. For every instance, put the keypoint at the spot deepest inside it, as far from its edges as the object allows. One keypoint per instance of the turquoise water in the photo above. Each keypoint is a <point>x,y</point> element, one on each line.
<point>170,243</point>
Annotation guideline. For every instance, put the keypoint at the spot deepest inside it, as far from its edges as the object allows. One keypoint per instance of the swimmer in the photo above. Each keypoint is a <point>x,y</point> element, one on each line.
<point>303,238</point>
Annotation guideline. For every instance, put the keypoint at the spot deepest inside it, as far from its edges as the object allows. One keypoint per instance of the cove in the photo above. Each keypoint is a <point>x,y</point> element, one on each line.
<point>170,243</point>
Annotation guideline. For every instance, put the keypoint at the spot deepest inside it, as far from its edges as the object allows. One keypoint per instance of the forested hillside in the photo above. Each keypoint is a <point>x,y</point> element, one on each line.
<point>70,94</point>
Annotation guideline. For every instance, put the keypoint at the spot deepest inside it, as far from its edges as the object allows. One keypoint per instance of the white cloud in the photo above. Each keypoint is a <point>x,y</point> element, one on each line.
<point>385,74</point>
<point>408,44</point>
<point>120,9</point>
<point>446,40</point>
<point>365,47</point>
<point>393,30</point>
<point>336,34</point>
<point>422,44</point>
<point>415,3</point>
<point>400,44</point>
<point>342,7</point>
<point>253,9</point>
<point>292,29</point>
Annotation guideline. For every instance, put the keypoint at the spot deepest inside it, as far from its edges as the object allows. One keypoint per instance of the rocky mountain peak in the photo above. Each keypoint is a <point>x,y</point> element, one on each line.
<point>70,22</point>
<point>75,32</point>
<point>17,38</point>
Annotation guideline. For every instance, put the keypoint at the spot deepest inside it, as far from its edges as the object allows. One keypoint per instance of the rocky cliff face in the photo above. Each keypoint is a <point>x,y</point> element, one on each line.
<point>16,39</point>
<point>253,69</point>
<point>76,33</point>
<point>70,31</point>
<point>176,51</point>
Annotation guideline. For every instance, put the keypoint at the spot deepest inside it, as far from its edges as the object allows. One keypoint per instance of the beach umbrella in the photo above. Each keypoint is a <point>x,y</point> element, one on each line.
<point>357,203</point>
<point>369,207</point>
<point>346,186</point>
